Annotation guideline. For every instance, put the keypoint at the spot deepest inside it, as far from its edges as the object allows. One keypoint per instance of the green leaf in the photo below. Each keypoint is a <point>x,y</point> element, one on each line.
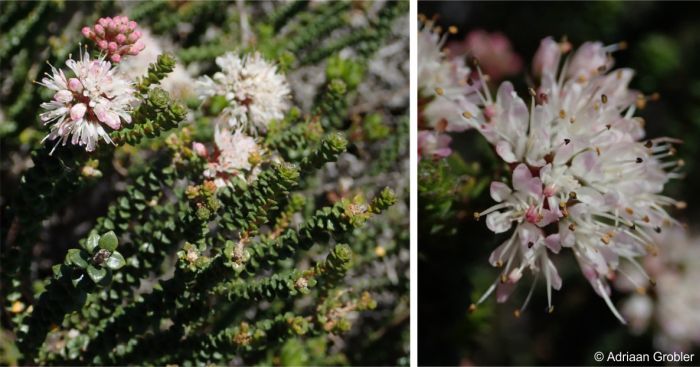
<point>77,280</point>
<point>108,241</point>
<point>74,257</point>
<point>91,242</point>
<point>116,261</point>
<point>96,274</point>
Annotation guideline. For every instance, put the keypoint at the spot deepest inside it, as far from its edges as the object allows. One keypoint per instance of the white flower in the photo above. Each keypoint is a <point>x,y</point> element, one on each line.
<point>442,83</point>
<point>232,156</point>
<point>583,178</point>
<point>178,83</point>
<point>256,93</point>
<point>95,96</point>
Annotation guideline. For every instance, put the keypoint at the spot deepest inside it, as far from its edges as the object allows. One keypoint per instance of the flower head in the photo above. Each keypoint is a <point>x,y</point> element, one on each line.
<point>582,177</point>
<point>96,96</point>
<point>256,93</point>
<point>443,89</point>
<point>116,37</point>
<point>235,156</point>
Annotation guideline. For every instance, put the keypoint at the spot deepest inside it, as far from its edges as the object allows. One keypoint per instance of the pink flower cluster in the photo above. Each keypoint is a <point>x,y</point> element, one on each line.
<point>116,36</point>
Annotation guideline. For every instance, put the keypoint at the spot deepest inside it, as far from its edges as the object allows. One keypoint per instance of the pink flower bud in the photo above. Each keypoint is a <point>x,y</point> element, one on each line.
<point>86,32</point>
<point>78,111</point>
<point>112,47</point>
<point>120,38</point>
<point>63,96</point>
<point>546,58</point>
<point>199,149</point>
<point>75,85</point>
<point>102,44</point>
<point>103,21</point>
<point>99,30</point>
<point>116,58</point>
<point>132,25</point>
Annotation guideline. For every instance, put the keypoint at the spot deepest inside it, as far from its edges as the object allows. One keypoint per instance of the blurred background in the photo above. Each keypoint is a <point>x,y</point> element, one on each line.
<point>663,46</point>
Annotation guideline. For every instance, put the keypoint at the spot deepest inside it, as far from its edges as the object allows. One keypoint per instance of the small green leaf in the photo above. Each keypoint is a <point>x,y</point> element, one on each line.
<point>116,261</point>
<point>108,241</point>
<point>91,242</point>
<point>96,274</point>
<point>74,257</point>
<point>77,280</point>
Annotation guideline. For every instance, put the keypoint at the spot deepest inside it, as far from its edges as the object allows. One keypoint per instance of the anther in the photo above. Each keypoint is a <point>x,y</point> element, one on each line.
<point>639,160</point>
<point>567,141</point>
<point>467,115</point>
<point>516,313</point>
<point>652,282</point>
<point>605,239</point>
<point>646,219</point>
<point>562,114</point>
<point>597,150</point>
<point>439,91</point>
<point>649,144</point>
<point>499,264</point>
<point>504,278</point>
<point>472,308</point>
<point>477,215</point>
<point>641,102</point>
<point>530,244</point>
<point>532,92</point>
<point>657,229</point>
<point>572,119</point>
<point>629,211</point>
<point>681,205</point>
<point>608,126</point>
<point>550,309</point>
<point>572,227</point>
<point>452,29</point>
<point>572,195</point>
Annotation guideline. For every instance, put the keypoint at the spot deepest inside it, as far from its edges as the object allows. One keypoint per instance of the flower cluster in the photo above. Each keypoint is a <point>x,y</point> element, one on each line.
<point>255,92</point>
<point>96,96</point>
<point>583,176</point>
<point>673,305</point>
<point>442,76</point>
<point>116,37</point>
<point>448,88</point>
<point>235,155</point>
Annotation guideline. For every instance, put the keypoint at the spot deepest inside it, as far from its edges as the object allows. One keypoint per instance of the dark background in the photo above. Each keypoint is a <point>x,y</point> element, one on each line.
<point>664,49</point>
